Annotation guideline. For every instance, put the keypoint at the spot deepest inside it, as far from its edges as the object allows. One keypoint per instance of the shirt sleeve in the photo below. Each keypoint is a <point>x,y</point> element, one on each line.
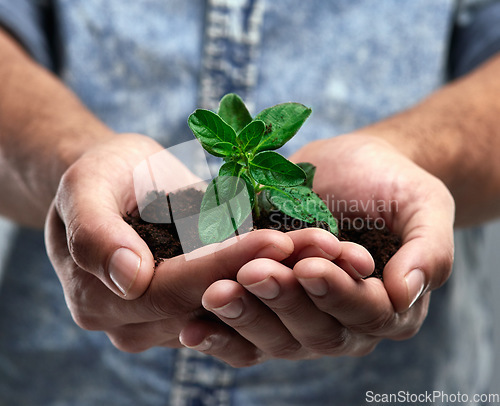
<point>25,21</point>
<point>476,37</point>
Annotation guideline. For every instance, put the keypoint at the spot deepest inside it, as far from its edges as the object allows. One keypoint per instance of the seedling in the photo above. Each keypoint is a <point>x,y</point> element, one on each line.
<point>254,177</point>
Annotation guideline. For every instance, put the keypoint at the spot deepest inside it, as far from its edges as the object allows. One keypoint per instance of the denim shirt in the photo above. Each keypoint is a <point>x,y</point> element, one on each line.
<point>143,66</point>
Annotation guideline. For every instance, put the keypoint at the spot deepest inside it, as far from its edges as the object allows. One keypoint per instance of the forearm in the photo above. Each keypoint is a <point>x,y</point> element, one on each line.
<point>43,129</point>
<point>455,135</point>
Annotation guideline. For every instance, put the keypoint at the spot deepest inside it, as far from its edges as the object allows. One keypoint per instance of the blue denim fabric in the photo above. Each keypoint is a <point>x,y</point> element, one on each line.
<point>143,66</point>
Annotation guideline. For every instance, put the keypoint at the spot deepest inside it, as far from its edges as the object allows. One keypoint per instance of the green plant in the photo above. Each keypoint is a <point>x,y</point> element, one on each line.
<point>254,177</point>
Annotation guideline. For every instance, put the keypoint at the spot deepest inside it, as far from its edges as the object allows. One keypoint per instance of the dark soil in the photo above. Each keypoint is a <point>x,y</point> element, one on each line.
<point>163,240</point>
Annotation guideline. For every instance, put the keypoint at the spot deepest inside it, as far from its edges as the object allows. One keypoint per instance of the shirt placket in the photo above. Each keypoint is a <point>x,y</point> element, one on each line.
<point>229,64</point>
<point>231,45</point>
<point>200,380</point>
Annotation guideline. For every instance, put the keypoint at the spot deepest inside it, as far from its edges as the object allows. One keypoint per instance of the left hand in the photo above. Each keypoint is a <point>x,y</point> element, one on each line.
<point>270,313</point>
<point>322,306</point>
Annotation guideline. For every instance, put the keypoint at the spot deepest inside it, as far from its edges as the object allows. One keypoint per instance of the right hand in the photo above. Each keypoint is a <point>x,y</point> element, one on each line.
<point>107,271</point>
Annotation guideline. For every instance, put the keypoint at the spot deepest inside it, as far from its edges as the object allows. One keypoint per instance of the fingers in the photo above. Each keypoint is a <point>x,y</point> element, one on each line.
<point>284,322</point>
<point>362,306</point>
<point>425,260</point>
<point>140,337</point>
<point>88,299</point>
<point>179,284</point>
<point>98,239</point>
<point>316,310</point>
<point>222,342</point>
<point>279,289</point>
<point>314,242</point>
<point>355,260</point>
<point>94,194</point>
<point>250,317</point>
<point>187,280</point>
<point>421,209</point>
<point>356,304</point>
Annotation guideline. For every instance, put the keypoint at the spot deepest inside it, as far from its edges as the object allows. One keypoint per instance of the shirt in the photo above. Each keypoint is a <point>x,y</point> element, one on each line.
<point>142,67</point>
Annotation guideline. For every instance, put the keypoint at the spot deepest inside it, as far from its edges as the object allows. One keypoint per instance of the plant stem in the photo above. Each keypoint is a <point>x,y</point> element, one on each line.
<point>256,208</point>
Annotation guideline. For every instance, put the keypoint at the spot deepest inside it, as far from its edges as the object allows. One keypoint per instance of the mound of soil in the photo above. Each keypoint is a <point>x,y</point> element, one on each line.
<point>163,239</point>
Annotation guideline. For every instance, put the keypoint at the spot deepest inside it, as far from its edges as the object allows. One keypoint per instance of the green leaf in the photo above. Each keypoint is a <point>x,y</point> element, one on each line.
<point>234,112</point>
<point>302,203</point>
<point>224,208</point>
<point>282,123</point>
<point>236,170</point>
<point>230,169</point>
<point>216,136</point>
<point>251,135</point>
<point>272,169</point>
<point>265,205</point>
<point>310,170</point>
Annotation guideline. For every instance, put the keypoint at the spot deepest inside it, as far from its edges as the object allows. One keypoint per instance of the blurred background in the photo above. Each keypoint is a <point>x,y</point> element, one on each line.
<point>492,242</point>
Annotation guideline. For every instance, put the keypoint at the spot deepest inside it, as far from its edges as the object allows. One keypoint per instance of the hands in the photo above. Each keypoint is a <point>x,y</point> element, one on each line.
<point>414,204</point>
<point>322,306</point>
<point>106,269</point>
<point>296,295</point>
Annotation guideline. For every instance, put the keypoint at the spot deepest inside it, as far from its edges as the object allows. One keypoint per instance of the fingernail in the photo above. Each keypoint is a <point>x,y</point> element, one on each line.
<point>266,289</point>
<point>123,269</point>
<point>315,286</point>
<point>415,283</point>
<point>346,265</point>
<point>356,274</point>
<point>230,311</point>
<point>205,345</point>
<point>324,254</point>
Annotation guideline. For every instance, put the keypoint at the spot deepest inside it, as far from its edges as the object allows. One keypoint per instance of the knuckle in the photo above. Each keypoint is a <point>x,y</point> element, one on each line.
<point>86,320</point>
<point>246,360</point>
<point>159,308</point>
<point>127,342</point>
<point>412,321</point>
<point>290,309</point>
<point>71,176</point>
<point>166,305</point>
<point>85,310</point>
<point>249,322</point>
<point>375,325</point>
<point>78,237</point>
<point>169,297</point>
<point>289,350</point>
<point>408,333</point>
<point>444,268</point>
<point>365,349</point>
<point>328,344</point>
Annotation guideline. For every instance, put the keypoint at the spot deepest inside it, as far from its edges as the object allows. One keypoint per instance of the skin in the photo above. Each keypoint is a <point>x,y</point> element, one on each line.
<point>59,163</point>
<point>439,163</point>
<point>64,168</point>
<point>325,309</point>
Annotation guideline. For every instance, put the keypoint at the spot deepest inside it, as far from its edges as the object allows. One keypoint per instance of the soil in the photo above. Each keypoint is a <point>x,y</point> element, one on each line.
<point>163,240</point>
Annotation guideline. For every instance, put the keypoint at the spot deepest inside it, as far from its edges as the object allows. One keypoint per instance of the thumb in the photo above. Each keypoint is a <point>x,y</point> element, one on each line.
<point>180,283</point>
<point>425,260</point>
<point>96,237</point>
